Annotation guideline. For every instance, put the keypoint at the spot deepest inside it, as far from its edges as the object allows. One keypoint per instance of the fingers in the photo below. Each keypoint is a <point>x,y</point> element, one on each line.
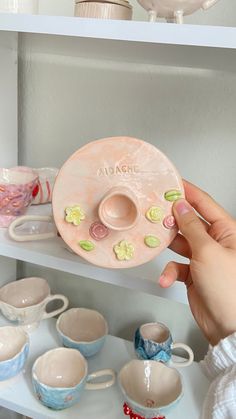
<point>180,245</point>
<point>204,204</point>
<point>172,272</point>
<point>191,227</point>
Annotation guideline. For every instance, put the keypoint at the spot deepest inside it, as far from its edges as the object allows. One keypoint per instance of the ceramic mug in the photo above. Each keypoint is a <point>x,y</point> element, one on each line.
<point>14,349</point>
<point>47,176</point>
<point>25,301</point>
<point>82,329</point>
<point>18,188</point>
<point>150,389</point>
<point>154,341</point>
<point>61,375</point>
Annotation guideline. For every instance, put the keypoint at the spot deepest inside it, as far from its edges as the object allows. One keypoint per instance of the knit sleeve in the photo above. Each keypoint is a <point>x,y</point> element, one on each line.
<point>220,367</point>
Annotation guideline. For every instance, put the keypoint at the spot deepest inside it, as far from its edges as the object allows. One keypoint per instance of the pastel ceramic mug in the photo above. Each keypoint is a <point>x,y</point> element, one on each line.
<point>47,176</point>
<point>83,329</point>
<point>25,301</point>
<point>61,375</point>
<point>154,341</point>
<point>18,188</point>
<point>14,349</point>
<point>150,389</point>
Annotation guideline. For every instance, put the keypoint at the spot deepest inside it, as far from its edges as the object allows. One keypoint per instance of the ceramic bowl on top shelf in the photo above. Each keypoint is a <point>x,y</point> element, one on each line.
<point>19,6</point>
<point>107,9</point>
<point>112,202</point>
<point>174,10</point>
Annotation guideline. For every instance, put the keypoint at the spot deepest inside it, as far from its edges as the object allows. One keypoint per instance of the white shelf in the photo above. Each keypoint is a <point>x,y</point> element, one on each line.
<point>53,253</point>
<point>132,41</point>
<point>104,404</point>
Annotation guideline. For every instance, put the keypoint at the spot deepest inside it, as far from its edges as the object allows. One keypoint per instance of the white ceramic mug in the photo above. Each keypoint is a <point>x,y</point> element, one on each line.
<point>25,301</point>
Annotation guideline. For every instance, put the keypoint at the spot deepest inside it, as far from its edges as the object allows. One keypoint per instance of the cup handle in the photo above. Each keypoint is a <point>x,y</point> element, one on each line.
<point>53,313</point>
<point>104,384</point>
<point>189,361</point>
<point>30,237</point>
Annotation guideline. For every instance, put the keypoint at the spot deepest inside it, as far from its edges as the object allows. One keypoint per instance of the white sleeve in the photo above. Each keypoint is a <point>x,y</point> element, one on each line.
<point>219,366</point>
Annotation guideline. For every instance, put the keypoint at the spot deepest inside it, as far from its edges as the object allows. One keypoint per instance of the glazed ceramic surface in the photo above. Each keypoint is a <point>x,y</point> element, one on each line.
<point>112,202</point>
<point>14,349</point>
<point>60,376</point>
<point>174,9</point>
<point>24,301</point>
<point>103,10</point>
<point>154,341</point>
<point>47,176</point>
<point>19,6</point>
<point>83,329</point>
<point>150,388</point>
<point>18,187</point>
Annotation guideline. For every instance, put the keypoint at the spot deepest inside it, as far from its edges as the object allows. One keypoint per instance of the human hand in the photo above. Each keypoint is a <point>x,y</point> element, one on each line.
<point>210,276</point>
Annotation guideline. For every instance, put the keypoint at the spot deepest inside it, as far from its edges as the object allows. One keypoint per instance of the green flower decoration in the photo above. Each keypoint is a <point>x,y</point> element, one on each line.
<point>124,250</point>
<point>155,214</point>
<point>74,215</point>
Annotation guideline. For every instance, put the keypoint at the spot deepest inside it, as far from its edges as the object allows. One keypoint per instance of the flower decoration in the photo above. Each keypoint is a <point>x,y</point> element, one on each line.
<point>172,195</point>
<point>129,412</point>
<point>74,215</point>
<point>98,231</point>
<point>169,221</point>
<point>155,214</point>
<point>86,245</point>
<point>152,241</point>
<point>124,250</point>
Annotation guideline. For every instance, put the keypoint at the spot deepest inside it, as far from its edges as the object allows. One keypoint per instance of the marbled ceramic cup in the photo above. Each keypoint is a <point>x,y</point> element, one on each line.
<point>83,329</point>
<point>25,301</point>
<point>150,388</point>
<point>18,187</point>
<point>14,349</point>
<point>154,341</point>
<point>60,376</point>
<point>47,176</point>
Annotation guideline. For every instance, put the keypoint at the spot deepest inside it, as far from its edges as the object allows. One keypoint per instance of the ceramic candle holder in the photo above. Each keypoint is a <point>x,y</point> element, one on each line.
<point>174,10</point>
<point>14,349</point>
<point>154,341</point>
<point>61,375</point>
<point>47,176</point>
<point>18,187</point>
<point>25,301</point>
<point>150,389</point>
<point>112,202</point>
<point>82,329</point>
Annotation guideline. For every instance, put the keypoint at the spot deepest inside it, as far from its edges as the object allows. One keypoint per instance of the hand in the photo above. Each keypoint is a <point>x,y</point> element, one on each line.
<point>210,276</point>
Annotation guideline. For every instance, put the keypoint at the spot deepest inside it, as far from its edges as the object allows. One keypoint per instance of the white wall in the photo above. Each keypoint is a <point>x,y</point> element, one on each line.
<point>187,113</point>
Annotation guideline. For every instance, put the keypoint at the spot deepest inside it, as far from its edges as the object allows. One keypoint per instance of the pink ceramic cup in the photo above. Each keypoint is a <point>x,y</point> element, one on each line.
<point>18,187</point>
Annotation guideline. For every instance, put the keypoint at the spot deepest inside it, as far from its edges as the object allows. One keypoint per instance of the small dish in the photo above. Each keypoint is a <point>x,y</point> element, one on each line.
<point>82,329</point>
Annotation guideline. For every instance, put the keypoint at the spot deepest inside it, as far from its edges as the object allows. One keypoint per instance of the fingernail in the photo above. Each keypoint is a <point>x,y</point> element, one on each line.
<point>163,280</point>
<point>182,207</point>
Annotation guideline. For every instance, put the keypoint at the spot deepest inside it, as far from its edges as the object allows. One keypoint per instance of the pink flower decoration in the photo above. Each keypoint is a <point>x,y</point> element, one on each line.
<point>98,231</point>
<point>169,221</point>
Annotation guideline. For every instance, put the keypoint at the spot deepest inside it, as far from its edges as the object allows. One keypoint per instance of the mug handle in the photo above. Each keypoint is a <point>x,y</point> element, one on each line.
<point>189,361</point>
<point>30,237</point>
<point>105,384</point>
<point>61,297</point>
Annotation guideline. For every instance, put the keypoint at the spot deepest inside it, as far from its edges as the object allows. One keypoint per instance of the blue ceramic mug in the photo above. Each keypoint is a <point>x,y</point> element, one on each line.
<point>154,341</point>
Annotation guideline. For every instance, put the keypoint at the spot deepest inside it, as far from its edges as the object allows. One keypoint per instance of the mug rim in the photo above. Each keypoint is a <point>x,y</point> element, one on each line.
<point>162,325</point>
<point>140,406</point>
<point>78,342</point>
<point>25,343</point>
<point>12,283</point>
<point>46,386</point>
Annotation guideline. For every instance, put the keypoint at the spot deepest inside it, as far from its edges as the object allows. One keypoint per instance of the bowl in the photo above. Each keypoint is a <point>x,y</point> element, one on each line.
<point>14,349</point>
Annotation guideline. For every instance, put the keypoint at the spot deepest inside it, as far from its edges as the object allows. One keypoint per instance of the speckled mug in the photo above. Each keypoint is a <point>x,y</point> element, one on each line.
<point>61,375</point>
<point>154,341</point>
<point>150,389</point>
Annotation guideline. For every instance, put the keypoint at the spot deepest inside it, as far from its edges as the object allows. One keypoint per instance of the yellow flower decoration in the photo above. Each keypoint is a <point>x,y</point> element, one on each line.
<point>74,215</point>
<point>155,214</point>
<point>124,250</point>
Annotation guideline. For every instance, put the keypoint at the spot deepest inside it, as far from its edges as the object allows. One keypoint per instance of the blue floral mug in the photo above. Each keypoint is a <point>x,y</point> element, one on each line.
<point>154,341</point>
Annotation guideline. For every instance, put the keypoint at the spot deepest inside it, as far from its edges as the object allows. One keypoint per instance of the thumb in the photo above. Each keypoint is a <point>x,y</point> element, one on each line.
<point>190,226</point>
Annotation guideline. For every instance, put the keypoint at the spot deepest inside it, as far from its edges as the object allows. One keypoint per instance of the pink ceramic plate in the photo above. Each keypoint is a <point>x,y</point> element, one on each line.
<point>112,202</point>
